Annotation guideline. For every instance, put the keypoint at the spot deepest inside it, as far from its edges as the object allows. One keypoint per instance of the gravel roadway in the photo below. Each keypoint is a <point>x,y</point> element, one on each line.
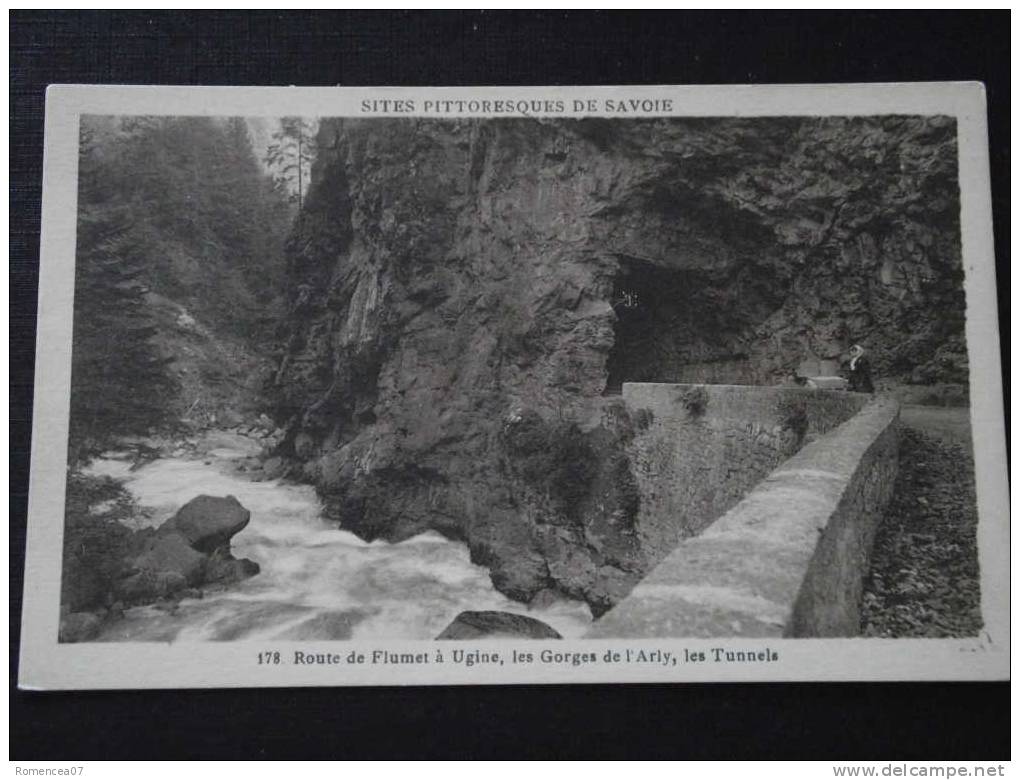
<point>924,571</point>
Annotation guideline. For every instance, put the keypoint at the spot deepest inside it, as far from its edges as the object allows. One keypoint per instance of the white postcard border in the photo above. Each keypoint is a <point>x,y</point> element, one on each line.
<point>46,664</point>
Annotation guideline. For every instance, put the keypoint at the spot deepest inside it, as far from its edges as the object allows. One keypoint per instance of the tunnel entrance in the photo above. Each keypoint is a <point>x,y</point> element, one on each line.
<point>671,323</point>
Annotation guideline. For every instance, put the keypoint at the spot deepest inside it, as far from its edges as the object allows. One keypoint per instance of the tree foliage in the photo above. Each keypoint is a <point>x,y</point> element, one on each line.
<point>291,155</point>
<point>176,208</point>
<point>209,218</point>
<point>119,380</point>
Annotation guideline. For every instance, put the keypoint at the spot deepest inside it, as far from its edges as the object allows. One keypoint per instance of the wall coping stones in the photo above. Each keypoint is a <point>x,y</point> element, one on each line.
<point>788,559</point>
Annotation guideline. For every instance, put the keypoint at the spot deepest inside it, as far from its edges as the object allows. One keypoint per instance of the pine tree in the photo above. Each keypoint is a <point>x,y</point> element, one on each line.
<point>120,382</point>
<point>292,155</point>
<point>258,215</point>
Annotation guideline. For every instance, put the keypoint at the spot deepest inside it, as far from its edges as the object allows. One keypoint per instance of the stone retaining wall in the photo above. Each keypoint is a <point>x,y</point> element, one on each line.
<point>701,448</point>
<point>787,560</point>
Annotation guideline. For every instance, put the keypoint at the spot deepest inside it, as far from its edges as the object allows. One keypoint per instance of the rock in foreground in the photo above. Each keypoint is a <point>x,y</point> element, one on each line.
<point>189,550</point>
<point>485,625</point>
<point>208,522</point>
<point>116,567</point>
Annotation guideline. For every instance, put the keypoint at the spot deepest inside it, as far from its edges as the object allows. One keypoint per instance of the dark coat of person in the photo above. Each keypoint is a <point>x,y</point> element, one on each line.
<point>859,380</point>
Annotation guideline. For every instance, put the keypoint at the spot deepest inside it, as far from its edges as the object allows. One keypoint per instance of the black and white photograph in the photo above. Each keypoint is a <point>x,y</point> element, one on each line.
<point>519,368</point>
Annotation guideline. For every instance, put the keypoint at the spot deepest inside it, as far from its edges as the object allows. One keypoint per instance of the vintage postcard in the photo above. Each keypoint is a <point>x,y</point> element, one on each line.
<point>373,386</point>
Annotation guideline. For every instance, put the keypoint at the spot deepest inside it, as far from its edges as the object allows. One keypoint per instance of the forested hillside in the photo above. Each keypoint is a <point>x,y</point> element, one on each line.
<point>179,267</point>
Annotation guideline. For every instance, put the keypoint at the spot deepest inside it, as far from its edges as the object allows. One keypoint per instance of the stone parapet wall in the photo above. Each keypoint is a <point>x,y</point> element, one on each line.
<point>787,560</point>
<point>859,467</point>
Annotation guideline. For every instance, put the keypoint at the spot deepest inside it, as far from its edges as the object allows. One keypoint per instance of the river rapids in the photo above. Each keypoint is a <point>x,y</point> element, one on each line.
<point>317,582</point>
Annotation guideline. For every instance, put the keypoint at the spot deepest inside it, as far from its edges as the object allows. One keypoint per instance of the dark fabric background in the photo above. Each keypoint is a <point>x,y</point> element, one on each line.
<point>394,48</point>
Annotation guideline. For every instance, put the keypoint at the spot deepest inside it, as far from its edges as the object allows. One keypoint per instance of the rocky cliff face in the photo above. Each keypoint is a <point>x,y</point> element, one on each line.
<point>464,293</point>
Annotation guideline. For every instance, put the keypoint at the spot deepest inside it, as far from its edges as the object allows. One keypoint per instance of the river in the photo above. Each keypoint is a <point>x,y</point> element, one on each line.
<point>316,581</point>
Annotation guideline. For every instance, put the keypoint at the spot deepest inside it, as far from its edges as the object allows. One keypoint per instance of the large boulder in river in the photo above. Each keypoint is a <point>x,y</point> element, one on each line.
<point>166,566</point>
<point>208,522</point>
<point>159,566</point>
<point>190,550</point>
<point>171,553</point>
<point>106,563</point>
<point>480,625</point>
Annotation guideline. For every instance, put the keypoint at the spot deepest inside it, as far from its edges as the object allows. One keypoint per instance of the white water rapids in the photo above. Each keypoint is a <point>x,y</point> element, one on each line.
<point>316,581</point>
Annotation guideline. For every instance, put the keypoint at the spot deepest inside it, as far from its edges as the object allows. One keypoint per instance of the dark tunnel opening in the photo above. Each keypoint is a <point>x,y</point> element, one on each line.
<point>671,326</point>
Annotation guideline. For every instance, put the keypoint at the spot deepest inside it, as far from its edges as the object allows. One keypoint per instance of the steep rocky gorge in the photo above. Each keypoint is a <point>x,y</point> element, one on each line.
<point>467,295</point>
